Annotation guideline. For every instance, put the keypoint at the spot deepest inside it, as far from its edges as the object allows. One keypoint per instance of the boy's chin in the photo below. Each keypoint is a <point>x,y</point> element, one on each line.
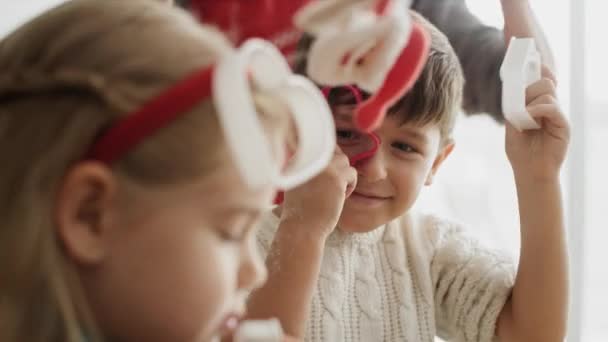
<point>351,225</point>
<point>355,220</point>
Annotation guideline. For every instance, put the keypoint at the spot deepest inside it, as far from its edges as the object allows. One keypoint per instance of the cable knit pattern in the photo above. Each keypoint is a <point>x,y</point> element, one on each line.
<point>471,284</point>
<point>415,278</point>
<point>367,293</point>
<point>400,279</point>
<point>331,295</point>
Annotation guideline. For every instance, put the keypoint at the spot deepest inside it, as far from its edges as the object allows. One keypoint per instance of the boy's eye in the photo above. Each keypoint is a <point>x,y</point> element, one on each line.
<point>344,134</point>
<point>347,136</point>
<point>404,147</point>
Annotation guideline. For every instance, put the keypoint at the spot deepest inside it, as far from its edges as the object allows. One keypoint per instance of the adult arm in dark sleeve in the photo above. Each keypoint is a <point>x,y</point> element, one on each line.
<point>481,48</point>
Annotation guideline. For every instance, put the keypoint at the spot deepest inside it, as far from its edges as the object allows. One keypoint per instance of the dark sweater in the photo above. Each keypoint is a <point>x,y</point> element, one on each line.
<point>480,49</point>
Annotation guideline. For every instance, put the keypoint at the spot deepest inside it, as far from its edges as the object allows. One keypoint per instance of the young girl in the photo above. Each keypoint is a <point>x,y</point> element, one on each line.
<point>126,211</point>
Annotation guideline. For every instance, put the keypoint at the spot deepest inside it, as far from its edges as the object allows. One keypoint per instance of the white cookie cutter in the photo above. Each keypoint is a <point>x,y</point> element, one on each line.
<point>520,68</point>
<point>260,62</point>
<point>353,29</point>
<point>259,331</point>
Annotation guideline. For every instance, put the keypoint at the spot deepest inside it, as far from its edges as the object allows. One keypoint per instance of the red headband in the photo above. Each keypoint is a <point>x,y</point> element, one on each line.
<point>152,116</point>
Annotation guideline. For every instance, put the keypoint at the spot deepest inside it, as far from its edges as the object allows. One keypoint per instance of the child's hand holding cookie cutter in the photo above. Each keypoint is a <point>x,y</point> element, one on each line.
<point>520,68</point>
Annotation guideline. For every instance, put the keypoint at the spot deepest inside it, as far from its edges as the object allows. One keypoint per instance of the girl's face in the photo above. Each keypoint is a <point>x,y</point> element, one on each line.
<point>182,262</point>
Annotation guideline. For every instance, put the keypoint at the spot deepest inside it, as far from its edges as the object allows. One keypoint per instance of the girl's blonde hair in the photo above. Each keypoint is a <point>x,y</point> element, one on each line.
<point>64,78</point>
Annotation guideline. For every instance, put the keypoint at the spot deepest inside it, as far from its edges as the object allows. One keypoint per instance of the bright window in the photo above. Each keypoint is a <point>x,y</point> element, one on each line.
<point>576,30</point>
<point>595,281</point>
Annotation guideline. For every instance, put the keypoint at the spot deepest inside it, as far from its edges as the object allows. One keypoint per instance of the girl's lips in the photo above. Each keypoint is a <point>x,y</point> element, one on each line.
<point>230,324</point>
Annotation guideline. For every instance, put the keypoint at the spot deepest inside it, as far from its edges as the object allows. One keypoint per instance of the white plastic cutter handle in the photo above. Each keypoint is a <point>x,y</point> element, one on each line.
<point>520,68</point>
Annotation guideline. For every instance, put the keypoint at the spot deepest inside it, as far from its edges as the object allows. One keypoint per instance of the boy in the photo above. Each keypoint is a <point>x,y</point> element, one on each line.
<point>349,261</point>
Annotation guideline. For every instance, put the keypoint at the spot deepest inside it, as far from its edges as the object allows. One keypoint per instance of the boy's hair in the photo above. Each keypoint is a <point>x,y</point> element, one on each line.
<point>436,97</point>
<point>65,77</point>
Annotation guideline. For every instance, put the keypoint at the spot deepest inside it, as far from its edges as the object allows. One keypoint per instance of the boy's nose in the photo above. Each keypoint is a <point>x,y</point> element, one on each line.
<point>252,272</point>
<point>372,169</point>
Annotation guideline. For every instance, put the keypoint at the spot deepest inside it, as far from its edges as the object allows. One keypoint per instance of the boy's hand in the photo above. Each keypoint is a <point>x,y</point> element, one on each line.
<point>316,205</point>
<point>540,153</point>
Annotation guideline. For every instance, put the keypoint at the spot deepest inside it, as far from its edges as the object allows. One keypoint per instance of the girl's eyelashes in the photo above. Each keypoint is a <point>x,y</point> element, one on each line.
<point>236,229</point>
<point>232,234</point>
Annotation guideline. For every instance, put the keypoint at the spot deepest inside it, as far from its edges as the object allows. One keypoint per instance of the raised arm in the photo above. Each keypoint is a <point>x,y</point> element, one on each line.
<point>537,309</point>
<point>481,48</point>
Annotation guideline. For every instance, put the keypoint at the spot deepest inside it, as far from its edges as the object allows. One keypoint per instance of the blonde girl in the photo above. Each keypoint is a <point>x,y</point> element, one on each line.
<point>125,213</point>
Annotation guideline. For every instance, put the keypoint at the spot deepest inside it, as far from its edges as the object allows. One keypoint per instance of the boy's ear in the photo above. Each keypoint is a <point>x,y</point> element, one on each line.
<point>84,211</point>
<point>443,154</point>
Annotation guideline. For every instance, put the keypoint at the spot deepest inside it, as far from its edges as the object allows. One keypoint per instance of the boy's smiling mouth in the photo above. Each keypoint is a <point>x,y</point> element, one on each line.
<point>368,198</point>
<point>370,195</point>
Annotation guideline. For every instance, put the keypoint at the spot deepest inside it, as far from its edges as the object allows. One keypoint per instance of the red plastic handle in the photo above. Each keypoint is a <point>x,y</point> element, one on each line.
<point>243,19</point>
<point>382,6</point>
<point>400,79</point>
<point>363,156</point>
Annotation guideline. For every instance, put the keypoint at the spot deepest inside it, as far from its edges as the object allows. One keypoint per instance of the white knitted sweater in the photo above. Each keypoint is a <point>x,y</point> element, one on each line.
<point>411,280</point>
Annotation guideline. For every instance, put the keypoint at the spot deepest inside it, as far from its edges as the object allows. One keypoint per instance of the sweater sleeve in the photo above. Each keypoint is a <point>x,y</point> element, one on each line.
<point>471,285</point>
<point>266,230</point>
<point>480,49</point>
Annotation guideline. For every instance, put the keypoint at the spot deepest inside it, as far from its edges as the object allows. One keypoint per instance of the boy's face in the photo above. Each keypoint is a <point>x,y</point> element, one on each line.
<point>389,182</point>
